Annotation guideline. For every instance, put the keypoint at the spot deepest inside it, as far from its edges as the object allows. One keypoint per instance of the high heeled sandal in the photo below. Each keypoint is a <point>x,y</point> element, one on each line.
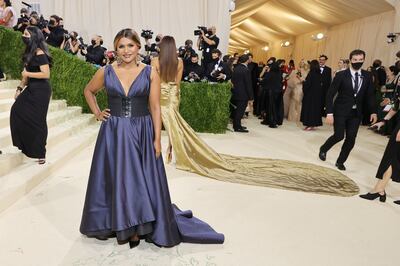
<point>373,196</point>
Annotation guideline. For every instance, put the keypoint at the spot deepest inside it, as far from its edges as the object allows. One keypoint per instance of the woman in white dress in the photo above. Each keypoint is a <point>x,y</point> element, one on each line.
<point>295,82</point>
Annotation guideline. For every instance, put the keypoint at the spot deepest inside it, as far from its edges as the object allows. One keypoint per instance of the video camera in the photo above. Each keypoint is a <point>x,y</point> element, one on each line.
<point>82,45</point>
<point>147,34</point>
<point>201,28</point>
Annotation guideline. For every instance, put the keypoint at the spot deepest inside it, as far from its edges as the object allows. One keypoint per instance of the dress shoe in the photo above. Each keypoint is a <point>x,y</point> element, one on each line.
<point>322,155</point>
<point>373,196</point>
<point>396,202</point>
<point>273,126</point>
<point>340,166</point>
<point>244,127</point>
<point>241,130</point>
<point>264,123</point>
<point>101,238</point>
<point>133,244</point>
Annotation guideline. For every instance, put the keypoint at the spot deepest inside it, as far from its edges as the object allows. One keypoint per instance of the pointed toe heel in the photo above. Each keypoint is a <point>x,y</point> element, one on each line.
<point>374,196</point>
<point>133,244</point>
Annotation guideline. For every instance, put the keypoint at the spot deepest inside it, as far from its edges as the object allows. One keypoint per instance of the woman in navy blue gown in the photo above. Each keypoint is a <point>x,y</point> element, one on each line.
<point>127,195</point>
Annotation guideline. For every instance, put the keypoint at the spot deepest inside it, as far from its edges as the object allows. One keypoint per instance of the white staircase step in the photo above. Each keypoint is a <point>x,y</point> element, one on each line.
<point>7,93</point>
<point>9,84</point>
<point>58,131</point>
<point>5,105</point>
<point>24,178</point>
<point>53,118</point>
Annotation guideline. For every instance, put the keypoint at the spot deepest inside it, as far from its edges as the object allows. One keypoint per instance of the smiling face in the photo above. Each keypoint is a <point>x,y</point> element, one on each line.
<point>322,61</point>
<point>127,50</point>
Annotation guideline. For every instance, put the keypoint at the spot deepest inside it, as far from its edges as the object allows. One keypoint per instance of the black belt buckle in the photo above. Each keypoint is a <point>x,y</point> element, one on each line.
<point>126,107</point>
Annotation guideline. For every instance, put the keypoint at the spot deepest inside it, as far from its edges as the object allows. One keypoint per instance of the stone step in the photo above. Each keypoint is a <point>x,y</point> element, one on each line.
<point>5,105</point>
<point>7,93</point>
<point>29,174</point>
<point>9,84</point>
<point>61,130</point>
<point>53,118</point>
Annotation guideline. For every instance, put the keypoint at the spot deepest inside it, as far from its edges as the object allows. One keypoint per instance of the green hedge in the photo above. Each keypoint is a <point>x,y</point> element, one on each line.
<point>204,106</point>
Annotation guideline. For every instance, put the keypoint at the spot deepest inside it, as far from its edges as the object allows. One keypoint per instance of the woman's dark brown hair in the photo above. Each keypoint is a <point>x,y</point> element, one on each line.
<point>168,59</point>
<point>129,34</point>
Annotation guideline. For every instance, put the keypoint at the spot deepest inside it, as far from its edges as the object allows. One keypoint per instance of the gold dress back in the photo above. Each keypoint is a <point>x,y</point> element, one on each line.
<point>194,155</point>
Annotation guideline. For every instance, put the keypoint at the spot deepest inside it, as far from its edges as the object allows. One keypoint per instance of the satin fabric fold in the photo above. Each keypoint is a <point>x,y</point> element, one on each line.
<point>194,155</point>
<point>127,191</point>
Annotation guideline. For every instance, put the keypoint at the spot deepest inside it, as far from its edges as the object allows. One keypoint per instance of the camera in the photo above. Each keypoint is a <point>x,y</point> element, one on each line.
<point>67,36</point>
<point>82,45</point>
<point>201,28</point>
<point>147,34</point>
<point>42,23</point>
<point>215,73</point>
<point>391,37</point>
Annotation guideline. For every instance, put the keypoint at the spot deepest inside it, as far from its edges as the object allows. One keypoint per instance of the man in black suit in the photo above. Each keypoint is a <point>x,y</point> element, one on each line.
<point>217,70</point>
<point>326,79</point>
<point>352,86</point>
<point>242,91</point>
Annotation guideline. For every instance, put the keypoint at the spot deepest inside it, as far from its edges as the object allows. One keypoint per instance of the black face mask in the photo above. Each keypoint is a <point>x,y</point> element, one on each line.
<point>26,40</point>
<point>158,39</point>
<point>93,42</point>
<point>357,66</point>
<point>375,65</point>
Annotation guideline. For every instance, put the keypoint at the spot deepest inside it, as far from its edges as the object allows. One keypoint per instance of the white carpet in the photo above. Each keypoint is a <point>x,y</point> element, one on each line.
<point>262,226</point>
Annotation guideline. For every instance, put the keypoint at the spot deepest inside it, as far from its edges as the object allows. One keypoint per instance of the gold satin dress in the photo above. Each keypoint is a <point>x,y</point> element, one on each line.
<point>194,155</point>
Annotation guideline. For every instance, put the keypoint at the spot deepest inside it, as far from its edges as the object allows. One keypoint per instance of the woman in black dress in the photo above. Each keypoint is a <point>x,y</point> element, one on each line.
<point>272,84</point>
<point>28,113</point>
<point>389,167</point>
<point>312,99</point>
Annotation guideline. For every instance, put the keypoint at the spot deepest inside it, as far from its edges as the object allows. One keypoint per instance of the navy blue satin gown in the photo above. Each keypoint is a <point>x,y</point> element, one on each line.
<point>127,192</point>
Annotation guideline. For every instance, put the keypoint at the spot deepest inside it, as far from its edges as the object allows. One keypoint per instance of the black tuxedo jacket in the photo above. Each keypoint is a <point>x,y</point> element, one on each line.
<point>326,79</point>
<point>225,70</point>
<point>342,85</point>
<point>241,79</point>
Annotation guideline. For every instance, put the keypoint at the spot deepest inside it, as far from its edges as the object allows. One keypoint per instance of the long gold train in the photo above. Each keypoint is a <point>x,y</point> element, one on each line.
<point>194,155</point>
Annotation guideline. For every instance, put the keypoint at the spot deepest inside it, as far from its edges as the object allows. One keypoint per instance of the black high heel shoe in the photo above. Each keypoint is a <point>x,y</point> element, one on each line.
<point>133,244</point>
<point>373,196</point>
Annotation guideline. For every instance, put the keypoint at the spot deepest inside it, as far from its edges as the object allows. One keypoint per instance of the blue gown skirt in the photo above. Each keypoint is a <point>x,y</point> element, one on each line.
<point>128,194</point>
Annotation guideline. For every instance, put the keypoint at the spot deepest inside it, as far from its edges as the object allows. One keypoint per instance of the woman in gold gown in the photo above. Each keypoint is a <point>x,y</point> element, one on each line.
<point>194,155</point>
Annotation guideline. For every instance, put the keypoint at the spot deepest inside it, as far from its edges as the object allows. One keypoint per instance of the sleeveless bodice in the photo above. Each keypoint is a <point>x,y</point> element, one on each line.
<point>136,102</point>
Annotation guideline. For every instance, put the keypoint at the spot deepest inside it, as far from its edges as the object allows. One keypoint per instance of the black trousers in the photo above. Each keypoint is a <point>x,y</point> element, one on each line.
<point>1,74</point>
<point>239,112</point>
<point>343,125</point>
<point>275,108</point>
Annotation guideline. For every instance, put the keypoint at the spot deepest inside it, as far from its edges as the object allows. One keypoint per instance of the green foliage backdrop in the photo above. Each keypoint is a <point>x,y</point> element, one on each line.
<point>204,106</point>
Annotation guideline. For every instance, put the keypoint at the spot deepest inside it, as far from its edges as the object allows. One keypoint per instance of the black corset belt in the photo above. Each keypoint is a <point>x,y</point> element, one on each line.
<point>128,107</point>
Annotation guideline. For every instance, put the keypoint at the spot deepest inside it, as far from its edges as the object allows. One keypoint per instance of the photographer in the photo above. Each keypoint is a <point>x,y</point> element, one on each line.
<point>23,21</point>
<point>70,43</point>
<point>151,47</point>
<point>192,71</point>
<point>55,33</point>
<point>95,53</point>
<point>217,70</point>
<point>207,42</point>
<point>186,52</point>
